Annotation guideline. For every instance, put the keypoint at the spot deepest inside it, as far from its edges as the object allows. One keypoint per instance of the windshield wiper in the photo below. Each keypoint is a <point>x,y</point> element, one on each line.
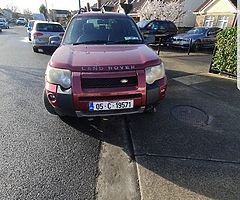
<point>125,42</point>
<point>92,42</point>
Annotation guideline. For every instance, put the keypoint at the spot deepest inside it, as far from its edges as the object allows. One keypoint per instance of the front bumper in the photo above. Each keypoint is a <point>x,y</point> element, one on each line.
<point>75,101</point>
<point>180,44</point>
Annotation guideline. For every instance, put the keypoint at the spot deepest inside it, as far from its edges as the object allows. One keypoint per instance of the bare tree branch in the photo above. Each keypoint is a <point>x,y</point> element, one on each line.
<point>160,9</point>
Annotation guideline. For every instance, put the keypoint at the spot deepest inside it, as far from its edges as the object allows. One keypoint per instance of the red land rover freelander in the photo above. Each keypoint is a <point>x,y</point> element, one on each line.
<point>103,67</point>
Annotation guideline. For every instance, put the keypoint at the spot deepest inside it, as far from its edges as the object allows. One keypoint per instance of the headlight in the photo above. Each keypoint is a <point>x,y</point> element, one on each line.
<point>154,73</point>
<point>59,76</point>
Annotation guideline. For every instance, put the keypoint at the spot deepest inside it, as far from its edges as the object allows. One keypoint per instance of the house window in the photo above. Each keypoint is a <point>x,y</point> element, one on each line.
<point>222,21</point>
<point>209,21</point>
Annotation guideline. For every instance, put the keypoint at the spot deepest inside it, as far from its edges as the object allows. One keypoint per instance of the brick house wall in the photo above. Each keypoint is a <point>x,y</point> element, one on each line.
<point>199,20</point>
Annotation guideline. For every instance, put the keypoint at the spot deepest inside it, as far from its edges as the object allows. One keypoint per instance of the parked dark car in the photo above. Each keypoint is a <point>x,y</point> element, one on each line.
<point>159,29</point>
<point>202,37</point>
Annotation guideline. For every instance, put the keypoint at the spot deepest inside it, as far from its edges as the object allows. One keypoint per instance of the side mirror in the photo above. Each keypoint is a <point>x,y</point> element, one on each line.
<point>54,41</point>
<point>149,39</point>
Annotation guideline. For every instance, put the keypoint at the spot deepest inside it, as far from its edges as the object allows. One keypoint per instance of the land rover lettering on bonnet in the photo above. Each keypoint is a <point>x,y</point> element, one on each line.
<point>103,67</point>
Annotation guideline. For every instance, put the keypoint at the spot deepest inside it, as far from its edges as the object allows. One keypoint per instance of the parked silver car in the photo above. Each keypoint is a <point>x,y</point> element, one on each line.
<point>41,33</point>
<point>200,37</point>
<point>21,21</point>
<point>3,23</point>
<point>29,28</point>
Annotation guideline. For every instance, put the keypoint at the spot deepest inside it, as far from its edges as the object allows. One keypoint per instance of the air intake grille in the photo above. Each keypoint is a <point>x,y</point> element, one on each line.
<point>109,82</point>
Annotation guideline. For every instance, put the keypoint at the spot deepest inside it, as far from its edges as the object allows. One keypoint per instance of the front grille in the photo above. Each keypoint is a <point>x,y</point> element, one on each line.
<point>110,98</point>
<point>89,83</point>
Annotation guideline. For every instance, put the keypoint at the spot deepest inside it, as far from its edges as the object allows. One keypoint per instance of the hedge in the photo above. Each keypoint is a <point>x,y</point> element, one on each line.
<point>225,56</point>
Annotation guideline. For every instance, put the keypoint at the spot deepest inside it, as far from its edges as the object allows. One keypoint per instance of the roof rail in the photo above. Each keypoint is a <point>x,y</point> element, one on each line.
<point>81,10</point>
<point>95,9</point>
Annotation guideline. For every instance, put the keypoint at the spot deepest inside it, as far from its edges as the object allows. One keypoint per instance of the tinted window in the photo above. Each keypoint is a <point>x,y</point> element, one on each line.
<point>46,27</point>
<point>101,30</point>
<point>172,25</point>
<point>198,31</point>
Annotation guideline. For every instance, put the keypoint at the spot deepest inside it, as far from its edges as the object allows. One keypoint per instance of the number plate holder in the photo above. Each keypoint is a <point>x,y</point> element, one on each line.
<point>110,105</point>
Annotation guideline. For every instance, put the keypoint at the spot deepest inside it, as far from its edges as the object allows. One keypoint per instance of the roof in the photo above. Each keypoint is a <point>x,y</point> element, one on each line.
<point>114,4</point>
<point>64,12</point>
<point>105,14</point>
<point>45,22</point>
<point>207,2</point>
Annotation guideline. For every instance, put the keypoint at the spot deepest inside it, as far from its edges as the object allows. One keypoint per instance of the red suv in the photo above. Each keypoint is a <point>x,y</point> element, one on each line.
<point>103,67</point>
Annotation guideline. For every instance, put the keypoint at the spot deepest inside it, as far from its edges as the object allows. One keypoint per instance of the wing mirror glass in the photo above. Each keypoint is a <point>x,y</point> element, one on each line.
<point>54,40</point>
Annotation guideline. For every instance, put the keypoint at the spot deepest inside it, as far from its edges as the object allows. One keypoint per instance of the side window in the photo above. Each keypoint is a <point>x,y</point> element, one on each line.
<point>213,31</point>
<point>172,26</point>
<point>152,25</point>
<point>162,25</point>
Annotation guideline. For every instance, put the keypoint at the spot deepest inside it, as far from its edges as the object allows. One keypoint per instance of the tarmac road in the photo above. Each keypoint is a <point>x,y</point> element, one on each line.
<point>41,157</point>
<point>189,149</point>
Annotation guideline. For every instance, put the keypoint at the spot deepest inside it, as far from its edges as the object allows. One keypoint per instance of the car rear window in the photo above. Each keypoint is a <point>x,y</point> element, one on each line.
<point>46,27</point>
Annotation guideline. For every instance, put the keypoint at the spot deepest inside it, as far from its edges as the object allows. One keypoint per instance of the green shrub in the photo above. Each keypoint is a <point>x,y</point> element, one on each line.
<point>225,58</point>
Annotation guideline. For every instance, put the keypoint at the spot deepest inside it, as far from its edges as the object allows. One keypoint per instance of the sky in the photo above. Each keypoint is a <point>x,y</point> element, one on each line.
<point>34,5</point>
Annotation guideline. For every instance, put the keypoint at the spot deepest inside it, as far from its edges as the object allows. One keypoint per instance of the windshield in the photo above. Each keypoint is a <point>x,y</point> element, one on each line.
<point>143,23</point>
<point>102,30</point>
<point>2,20</point>
<point>197,31</point>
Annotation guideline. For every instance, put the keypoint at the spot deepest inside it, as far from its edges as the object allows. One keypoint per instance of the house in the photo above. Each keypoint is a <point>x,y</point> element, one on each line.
<point>6,13</point>
<point>187,20</point>
<point>114,6</point>
<point>59,15</point>
<point>220,13</point>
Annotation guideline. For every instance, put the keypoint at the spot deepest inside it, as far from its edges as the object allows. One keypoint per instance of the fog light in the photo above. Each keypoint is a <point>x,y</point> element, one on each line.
<point>52,97</point>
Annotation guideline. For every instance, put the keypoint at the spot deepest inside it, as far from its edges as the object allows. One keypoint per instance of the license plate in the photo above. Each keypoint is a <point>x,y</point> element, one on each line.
<point>176,42</point>
<point>110,105</point>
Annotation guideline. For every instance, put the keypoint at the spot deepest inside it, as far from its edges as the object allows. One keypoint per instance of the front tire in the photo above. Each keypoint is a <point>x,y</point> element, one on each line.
<point>196,46</point>
<point>47,105</point>
<point>35,50</point>
<point>150,109</point>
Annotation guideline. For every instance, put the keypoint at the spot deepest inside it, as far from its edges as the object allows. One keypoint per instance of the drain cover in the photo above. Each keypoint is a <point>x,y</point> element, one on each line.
<point>190,114</point>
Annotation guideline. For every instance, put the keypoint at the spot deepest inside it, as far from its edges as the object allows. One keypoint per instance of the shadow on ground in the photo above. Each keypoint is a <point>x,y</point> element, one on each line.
<point>194,150</point>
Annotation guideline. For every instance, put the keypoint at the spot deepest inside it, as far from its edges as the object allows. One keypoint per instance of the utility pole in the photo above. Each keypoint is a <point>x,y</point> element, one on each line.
<point>46,4</point>
<point>79,4</point>
<point>47,10</point>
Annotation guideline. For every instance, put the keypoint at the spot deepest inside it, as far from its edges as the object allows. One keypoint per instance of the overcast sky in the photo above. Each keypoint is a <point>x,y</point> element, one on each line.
<point>34,5</point>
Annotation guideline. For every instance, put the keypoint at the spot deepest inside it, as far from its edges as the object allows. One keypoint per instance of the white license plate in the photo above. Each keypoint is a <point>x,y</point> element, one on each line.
<point>177,42</point>
<point>110,105</point>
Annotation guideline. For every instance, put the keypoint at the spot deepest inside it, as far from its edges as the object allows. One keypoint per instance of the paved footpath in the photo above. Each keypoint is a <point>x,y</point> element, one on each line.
<point>189,149</point>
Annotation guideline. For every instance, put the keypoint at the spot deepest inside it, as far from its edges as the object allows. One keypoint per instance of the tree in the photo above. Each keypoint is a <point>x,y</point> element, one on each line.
<point>44,11</point>
<point>13,8</point>
<point>163,10</point>
<point>27,13</point>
